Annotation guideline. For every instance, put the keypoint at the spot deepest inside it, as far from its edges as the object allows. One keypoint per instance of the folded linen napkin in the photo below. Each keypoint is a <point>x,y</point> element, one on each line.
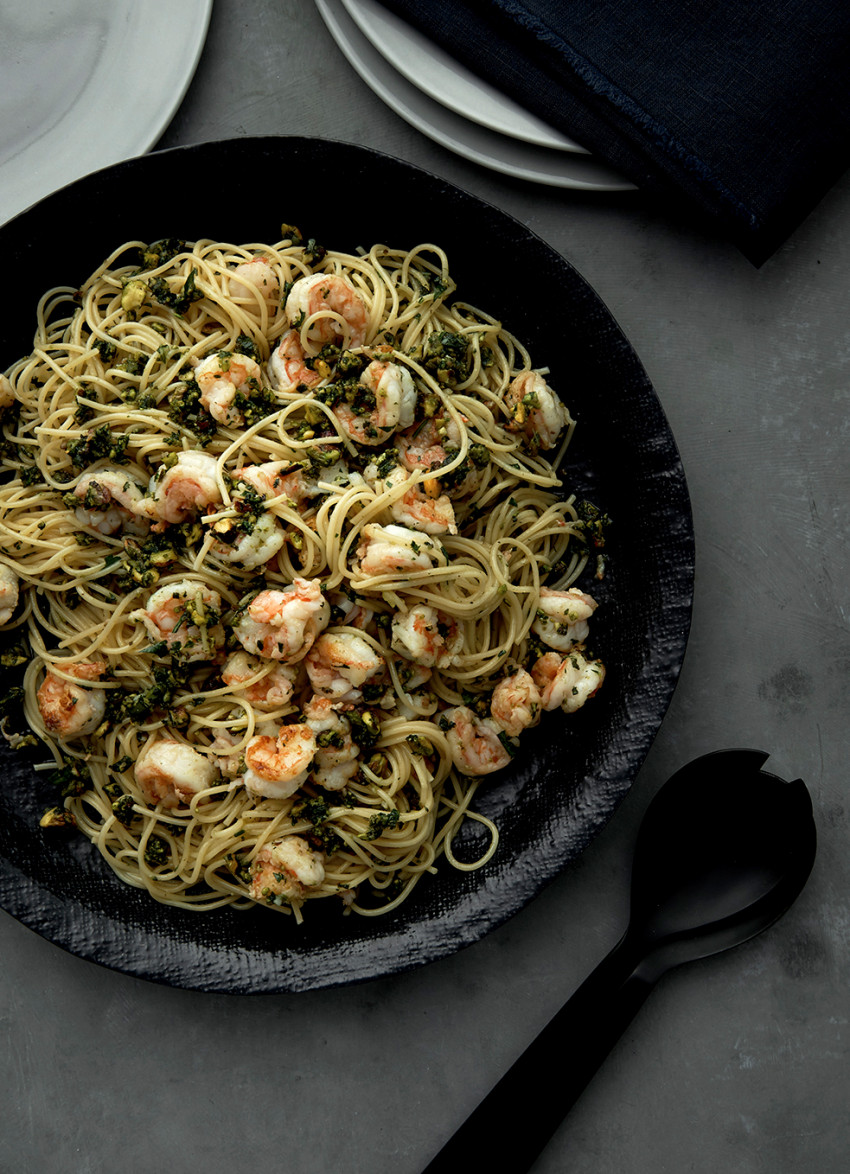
<point>735,111</point>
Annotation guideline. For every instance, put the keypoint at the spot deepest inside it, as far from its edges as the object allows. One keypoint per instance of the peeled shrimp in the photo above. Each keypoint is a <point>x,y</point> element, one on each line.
<point>7,393</point>
<point>170,772</point>
<point>183,489</point>
<point>260,544</point>
<point>277,479</point>
<point>265,685</point>
<point>283,625</point>
<point>355,614</point>
<point>425,445</point>
<point>187,616</point>
<point>109,501</point>
<point>424,507</point>
<point>430,445</point>
<point>286,485</point>
<point>253,548</point>
<point>284,870</point>
<point>475,746</point>
<point>567,681</point>
<point>326,308</point>
<point>275,767</point>
<point>395,404</point>
<point>562,616</point>
<point>338,665</point>
<point>535,410</point>
<point>254,281</point>
<point>290,483</point>
<point>288,365</point>
<point>69,710</point>
<point>220,378</point>
<point>415,702</point>
<point>388,550</point>
<point>9,593</point>
<point>516,703</point>
<point>426,636</point>
<point>421,507</point>
<point>227,761</point>
<point>336,754</point>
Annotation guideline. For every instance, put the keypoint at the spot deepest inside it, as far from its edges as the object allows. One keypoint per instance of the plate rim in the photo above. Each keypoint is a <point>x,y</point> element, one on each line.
<point>470,141</point>
<point>416,55</point>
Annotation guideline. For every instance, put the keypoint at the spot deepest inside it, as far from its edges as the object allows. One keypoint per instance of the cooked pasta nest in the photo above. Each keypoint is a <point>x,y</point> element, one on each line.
<point>210,445</point>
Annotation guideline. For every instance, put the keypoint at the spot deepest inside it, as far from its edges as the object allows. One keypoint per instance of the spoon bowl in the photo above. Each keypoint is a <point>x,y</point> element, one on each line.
<point>722,852</point>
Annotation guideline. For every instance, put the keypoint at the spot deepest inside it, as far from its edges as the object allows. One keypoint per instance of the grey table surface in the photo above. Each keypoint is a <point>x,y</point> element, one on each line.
<point>737,1063</point>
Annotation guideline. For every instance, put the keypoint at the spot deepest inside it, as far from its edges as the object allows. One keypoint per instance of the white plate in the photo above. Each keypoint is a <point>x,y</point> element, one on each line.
<point>499,152</point>
<point>435,72</point>
<point>87,83</point>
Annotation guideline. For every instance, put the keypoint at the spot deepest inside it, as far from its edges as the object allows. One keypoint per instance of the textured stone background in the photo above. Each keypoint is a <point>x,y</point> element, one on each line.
<point>738,1063</point>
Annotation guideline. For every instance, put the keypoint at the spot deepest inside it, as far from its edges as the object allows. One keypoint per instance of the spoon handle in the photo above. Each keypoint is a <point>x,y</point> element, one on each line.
<point>510,1127</point>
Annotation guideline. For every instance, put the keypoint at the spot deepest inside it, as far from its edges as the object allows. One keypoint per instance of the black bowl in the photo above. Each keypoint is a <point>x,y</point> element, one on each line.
<point>573,771</point>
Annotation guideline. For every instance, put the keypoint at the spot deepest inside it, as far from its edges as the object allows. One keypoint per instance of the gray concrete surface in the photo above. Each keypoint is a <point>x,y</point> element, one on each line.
<point>737,1064</point>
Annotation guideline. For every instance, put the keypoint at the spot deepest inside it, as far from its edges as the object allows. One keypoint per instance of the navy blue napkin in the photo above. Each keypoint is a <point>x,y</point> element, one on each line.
<point>734,112</point>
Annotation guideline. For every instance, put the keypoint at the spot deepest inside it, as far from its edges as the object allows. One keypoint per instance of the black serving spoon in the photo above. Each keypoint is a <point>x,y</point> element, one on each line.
<point>723,850</point>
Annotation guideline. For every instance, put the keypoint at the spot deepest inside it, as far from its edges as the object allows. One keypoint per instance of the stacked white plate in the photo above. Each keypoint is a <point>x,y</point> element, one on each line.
<point>434,93</point>
<point>87,83</point>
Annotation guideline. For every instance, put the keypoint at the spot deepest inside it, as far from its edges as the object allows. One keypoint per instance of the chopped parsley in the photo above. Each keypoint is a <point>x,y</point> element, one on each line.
<point>446,354</point>
<point>72,778</point>
<point>380,822</point>
<point>178,302</point>
<point>99,444</point>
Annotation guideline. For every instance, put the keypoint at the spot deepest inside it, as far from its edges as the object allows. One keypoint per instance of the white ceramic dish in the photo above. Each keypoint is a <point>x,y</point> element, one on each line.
<point>499,152</point>
<point>428,67</point>
<point>87,83</point>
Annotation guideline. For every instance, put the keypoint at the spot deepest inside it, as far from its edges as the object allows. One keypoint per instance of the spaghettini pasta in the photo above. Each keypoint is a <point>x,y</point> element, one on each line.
<point>276,523</point>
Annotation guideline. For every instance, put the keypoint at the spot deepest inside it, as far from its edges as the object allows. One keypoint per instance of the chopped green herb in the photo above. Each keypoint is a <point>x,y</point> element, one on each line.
<point>446,354</point>
<point>178,302</point>
<point>365,727</point>
<point>100,444</point>
<point>593,523</point>
<point>106,349</point>
<point>161,252</point>
<point>122,809</point>
<point>156,852</point>
<point>159,694</point>
<point>73,777</point>
<point>245,345</point>
<point>379,822</point>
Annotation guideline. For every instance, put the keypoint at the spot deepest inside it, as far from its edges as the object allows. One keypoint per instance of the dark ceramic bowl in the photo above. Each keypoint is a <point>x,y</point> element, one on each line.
<point>572,772</point>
